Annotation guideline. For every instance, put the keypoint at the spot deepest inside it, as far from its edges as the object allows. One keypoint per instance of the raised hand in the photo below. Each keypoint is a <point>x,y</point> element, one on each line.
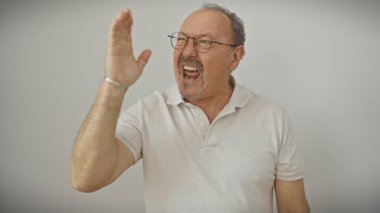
<point>121,64</point>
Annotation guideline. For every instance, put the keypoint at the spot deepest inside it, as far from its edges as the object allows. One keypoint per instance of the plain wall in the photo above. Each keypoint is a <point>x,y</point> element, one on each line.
<point>319,59</point>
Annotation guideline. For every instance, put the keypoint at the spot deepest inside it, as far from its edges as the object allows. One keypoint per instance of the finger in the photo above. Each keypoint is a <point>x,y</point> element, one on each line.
<point>143,58</point>
<point>121,29</point>
<point>123,20</point>
<point>127,20</point>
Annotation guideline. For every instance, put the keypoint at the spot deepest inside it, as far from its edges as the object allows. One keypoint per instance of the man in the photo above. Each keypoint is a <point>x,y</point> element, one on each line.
<point>208,143</point>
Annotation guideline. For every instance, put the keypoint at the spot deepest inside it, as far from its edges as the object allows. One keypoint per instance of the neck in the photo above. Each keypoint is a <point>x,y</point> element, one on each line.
<point>212,105</point>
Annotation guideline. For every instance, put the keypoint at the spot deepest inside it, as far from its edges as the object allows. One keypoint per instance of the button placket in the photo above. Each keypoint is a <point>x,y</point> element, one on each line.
<point>203,123</point>
<point>201,119</point>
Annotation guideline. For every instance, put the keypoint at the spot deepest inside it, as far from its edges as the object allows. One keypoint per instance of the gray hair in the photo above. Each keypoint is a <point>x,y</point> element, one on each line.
<point>237,24</point>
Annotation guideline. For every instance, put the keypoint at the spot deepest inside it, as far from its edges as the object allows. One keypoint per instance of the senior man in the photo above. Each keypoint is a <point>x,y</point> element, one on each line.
<point>208,144</point>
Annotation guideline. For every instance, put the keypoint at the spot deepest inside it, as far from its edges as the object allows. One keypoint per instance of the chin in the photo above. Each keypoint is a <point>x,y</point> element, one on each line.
<point>190,95</point>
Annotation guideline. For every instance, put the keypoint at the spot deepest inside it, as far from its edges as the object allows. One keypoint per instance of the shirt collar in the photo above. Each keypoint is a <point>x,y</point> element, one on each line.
<point>239,98</point>
<point>174,97</point>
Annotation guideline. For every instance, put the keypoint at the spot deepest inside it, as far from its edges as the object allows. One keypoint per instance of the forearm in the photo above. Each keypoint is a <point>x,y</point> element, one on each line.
<point>95,158</point>
<point>94,155</point>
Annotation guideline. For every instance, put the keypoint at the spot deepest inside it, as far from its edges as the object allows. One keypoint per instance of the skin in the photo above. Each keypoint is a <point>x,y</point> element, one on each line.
<point>290,196</point>
<point>98,158</point>
<point>212,90</point>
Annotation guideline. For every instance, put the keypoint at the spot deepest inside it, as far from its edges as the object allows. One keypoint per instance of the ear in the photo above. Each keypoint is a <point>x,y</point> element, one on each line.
<point>237,56</point>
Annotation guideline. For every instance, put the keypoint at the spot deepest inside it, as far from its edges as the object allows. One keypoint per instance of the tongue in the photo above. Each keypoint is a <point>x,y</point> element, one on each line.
<point>192,74</point>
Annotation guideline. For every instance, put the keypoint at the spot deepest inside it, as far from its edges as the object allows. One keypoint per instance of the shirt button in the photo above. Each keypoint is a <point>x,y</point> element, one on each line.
<point>202,123</point>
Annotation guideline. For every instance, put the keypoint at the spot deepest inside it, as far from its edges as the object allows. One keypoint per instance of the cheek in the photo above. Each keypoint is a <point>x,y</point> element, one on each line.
<point>176,56</point>
<point>215,69</point>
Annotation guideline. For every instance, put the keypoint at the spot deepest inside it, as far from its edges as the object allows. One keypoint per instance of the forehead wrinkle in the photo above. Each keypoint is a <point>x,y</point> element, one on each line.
<point>208,34</point>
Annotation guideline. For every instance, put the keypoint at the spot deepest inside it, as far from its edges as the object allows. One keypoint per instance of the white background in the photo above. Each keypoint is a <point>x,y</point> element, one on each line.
<point>319,59</point>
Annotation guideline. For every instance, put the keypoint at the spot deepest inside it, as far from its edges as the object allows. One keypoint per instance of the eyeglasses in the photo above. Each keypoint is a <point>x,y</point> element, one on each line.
<point>202,44</point>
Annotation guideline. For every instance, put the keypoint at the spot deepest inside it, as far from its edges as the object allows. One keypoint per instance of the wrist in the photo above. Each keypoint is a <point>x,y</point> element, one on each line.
<point>109,93</point>
<point>115,83</point>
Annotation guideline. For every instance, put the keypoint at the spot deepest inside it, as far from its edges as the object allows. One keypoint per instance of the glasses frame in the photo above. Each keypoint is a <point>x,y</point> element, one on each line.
<point>195,43</point>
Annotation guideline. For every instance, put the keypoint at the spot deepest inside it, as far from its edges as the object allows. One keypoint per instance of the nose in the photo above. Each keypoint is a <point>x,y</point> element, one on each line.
<point>189,49</point>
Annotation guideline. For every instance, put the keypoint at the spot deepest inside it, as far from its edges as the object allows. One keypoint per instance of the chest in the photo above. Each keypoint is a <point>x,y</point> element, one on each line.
<point>234,147</point>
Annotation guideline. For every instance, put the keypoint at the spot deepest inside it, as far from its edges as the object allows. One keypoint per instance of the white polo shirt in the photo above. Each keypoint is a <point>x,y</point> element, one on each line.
<point>191,165</point>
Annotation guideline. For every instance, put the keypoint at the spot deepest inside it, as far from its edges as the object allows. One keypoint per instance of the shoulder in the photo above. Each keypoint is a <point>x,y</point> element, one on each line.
<point>264,111</point>
<point>154,102</point>
<point>263,103</point>
<point>160,98</point>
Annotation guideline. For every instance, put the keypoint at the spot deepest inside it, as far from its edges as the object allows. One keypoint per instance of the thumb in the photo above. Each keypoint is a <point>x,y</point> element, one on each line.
<point>143,58</point>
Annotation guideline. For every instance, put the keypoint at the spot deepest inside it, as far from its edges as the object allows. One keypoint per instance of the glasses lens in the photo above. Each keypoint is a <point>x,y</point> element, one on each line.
<point>203,44</point>
<point>178,40</point>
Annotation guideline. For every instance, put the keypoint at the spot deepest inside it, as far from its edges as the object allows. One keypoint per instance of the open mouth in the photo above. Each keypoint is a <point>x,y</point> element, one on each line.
<point>190,72</point>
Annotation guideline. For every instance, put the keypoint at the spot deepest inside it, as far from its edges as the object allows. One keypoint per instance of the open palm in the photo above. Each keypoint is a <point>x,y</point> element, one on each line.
<point>121,64</point>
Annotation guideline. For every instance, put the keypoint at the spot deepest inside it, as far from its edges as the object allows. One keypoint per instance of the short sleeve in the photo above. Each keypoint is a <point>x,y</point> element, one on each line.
<point>289,165</point>
<point>128,131</point>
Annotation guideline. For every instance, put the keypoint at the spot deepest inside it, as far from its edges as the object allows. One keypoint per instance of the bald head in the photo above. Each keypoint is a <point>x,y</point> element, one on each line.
<point>209,22</point>
<point>237,25</point>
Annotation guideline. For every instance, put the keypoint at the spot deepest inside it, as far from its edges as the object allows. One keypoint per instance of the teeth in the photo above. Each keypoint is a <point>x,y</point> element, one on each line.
<point>186,67</point>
